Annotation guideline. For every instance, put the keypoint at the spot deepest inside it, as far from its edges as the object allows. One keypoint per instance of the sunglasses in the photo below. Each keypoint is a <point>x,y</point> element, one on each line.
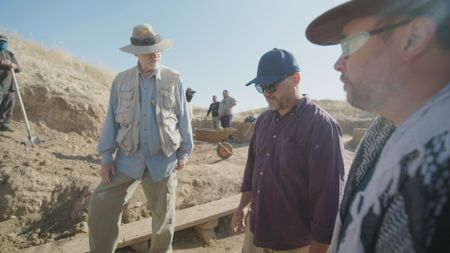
<point>269,88</point>
<point>353,42</point>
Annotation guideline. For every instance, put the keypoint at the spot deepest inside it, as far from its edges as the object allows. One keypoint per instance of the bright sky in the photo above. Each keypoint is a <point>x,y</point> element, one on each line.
<point>217,43</point>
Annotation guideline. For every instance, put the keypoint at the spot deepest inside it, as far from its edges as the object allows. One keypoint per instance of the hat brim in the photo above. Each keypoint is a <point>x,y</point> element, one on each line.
<point>264,80</point>
<point>137,50</point>
<point>327,28</point>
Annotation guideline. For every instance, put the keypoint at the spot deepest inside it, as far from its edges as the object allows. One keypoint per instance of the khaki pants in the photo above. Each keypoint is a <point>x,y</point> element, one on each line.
<point>105,211</point>
<point>249,247</point>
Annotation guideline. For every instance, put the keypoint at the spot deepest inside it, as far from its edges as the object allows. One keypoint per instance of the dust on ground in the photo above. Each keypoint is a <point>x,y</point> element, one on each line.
<point>45,189</point>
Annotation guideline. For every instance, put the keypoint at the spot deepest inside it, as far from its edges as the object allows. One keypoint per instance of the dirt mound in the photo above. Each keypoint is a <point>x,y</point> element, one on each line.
<point>61,91</point>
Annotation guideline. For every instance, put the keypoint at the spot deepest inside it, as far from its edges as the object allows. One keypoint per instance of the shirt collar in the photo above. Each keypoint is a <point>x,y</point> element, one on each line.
<point>156,72</point>
<point>300,102</point>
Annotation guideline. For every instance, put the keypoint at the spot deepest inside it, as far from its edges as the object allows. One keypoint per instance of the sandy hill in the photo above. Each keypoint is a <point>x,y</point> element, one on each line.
<point>59,90</point>
<point>45,189</point>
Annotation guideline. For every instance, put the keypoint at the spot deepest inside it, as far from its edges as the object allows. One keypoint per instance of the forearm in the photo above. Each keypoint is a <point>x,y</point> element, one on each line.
<point>106,145</point>
<point>246,198</point>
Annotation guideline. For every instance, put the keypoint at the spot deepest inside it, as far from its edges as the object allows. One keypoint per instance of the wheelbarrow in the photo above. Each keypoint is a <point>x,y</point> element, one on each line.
<point>224,149</point>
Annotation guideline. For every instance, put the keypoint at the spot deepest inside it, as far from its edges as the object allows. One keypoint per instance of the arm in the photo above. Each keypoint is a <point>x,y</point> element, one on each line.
<point>326,168</point>
<point>238,220</point>
<point>15,65</point>
<point>11,64</point>
<point>184,125</point>
<point>232,104</point>
<point>209,110</point>
<point>106,145</point>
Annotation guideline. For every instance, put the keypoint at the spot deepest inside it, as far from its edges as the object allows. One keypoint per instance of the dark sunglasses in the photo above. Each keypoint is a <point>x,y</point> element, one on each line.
<point>269,88</point>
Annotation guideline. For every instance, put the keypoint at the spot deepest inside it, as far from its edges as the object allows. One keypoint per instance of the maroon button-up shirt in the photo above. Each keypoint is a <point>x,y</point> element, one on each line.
<point>295,171</point>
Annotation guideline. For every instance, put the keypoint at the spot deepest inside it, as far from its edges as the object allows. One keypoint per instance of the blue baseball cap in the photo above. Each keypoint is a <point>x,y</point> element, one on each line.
<point>274,66</point>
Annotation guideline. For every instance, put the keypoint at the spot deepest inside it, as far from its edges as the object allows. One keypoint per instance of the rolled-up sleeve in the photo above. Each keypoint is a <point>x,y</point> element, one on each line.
<point>326,166</point>
<point>14,60</point>
<point>184,124</point>
<point>106,145</point>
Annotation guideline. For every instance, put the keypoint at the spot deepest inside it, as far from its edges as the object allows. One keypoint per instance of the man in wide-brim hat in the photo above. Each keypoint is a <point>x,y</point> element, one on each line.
<point>395,62</point>
<point>148,129</point>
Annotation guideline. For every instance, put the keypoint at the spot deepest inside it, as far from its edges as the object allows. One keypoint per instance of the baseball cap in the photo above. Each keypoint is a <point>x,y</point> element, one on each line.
<point>274,66</point>
<point>189,90</point>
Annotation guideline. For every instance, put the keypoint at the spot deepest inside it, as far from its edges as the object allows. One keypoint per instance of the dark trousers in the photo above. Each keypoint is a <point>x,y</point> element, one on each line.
<point>225,121</point>
<point>7,102</point>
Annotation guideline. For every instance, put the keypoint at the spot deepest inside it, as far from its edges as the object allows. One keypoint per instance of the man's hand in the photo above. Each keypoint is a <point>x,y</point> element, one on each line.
<point>106,170</point>
<point>6,63</point>
<point>181,163</point>
<point>238,220</point>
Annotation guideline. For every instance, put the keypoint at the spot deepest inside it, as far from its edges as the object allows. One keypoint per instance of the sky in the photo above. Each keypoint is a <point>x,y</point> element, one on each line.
<point>217,46</point>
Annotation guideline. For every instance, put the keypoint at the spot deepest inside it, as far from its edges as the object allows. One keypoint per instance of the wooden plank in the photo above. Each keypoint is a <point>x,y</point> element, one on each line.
<point>138,231</point>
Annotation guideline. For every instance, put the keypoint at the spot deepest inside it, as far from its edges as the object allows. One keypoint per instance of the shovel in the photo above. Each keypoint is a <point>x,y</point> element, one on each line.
<point>30,139</point>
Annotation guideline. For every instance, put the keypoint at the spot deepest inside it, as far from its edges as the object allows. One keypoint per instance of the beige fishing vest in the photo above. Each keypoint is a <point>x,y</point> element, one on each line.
<point>128,113</point>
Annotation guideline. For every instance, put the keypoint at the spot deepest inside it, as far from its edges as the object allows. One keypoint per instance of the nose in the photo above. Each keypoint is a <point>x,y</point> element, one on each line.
<point>153,55</point>
<point>339,65</point>
<point>266,94</point>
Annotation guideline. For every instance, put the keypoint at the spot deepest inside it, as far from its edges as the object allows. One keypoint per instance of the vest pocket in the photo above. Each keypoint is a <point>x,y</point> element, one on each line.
<point>123,138</point>
<point>123,118</point>
<point>170,127</point>
<point>168,98</point>
<point>126,99</point>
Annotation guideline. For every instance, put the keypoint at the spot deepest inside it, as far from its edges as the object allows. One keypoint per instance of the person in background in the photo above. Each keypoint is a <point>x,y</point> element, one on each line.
<point>295,170</point>
<point>189,96</point>
<point>226,109</point>
<point>214,110</point>
<point>148,129</point>
<point>395,62</point>
<point>8,62</point>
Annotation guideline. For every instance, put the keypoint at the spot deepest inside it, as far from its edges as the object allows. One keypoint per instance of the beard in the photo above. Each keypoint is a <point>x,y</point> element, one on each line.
<point>275,103</point>
<point>365,96</point>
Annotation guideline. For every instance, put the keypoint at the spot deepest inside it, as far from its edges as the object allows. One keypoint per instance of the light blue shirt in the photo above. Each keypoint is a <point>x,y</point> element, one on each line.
<point>149,153</point>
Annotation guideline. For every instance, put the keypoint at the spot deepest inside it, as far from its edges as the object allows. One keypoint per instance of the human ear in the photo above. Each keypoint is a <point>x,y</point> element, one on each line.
<point>418,37</point>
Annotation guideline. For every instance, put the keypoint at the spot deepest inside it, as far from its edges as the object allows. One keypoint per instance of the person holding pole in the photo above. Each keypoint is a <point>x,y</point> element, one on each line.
<point>8,62</point>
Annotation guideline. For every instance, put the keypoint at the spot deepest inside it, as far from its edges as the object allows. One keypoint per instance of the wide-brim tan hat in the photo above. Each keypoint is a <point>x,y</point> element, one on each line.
<point>327,28</point>
<point>144,40</point>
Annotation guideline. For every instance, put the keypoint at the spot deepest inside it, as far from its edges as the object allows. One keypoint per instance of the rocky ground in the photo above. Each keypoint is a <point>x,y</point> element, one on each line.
<point>45,188</point>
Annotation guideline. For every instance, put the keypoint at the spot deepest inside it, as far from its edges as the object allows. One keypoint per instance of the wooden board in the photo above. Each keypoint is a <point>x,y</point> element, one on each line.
<point>139,231</point>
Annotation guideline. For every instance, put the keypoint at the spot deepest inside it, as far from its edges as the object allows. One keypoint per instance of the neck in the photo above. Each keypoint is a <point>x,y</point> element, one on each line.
<point>417,87</point>
<point>291,105</point>
<point>147,72</point>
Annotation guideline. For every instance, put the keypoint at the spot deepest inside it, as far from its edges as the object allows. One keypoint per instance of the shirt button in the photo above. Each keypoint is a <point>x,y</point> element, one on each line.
<point>261,173</point>
<point>267,154</point>
<point>258,191</point>
<point>274,136</point>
